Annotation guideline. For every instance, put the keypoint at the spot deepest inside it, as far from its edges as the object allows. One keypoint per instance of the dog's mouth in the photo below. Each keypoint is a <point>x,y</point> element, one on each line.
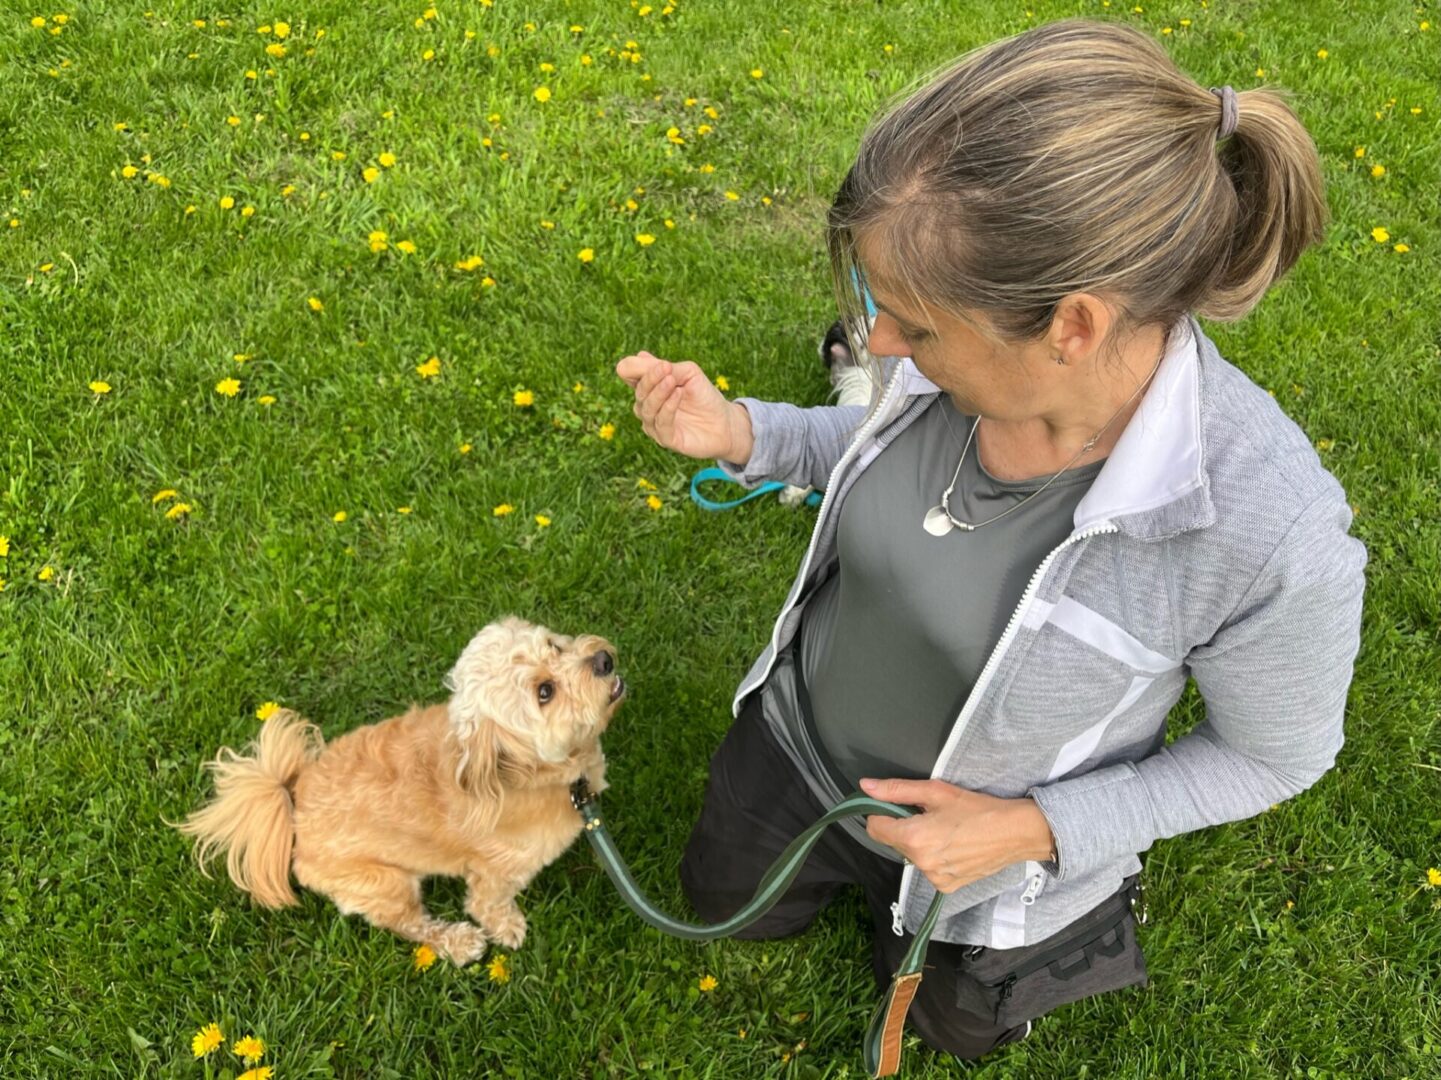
<point>617,691</point>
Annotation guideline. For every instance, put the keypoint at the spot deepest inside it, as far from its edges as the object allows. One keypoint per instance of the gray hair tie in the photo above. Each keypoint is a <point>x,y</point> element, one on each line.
<point>1230,110</point>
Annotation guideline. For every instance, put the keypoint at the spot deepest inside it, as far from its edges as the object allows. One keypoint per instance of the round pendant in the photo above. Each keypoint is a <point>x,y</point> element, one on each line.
<point>936,522</point>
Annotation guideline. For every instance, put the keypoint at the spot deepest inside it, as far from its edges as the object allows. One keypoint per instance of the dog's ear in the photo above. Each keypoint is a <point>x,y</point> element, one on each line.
<point>477,770</point>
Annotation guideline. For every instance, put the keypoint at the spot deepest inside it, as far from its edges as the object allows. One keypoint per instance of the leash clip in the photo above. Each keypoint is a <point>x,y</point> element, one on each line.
<point>580,794</point>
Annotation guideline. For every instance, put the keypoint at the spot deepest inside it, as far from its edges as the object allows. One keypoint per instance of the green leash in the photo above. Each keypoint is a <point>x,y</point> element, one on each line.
<point>882,1046</point>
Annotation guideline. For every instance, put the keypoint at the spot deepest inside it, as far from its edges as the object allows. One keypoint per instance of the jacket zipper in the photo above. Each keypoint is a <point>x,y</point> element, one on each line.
<point>1037,880</point>
<point>882,407</point>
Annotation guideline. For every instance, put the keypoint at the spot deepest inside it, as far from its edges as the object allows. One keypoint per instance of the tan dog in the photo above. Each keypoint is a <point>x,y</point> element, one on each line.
<point>478,788</point>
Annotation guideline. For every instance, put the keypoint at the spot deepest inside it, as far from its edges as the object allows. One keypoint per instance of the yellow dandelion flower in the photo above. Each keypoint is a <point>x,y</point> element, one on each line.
<point>547,224</point>
<point>99,387</point>
<point>757,73</point>
<point>607,432</point>
<point>1325,444</point>
<point>4,547</point>
<point>710,110</point>
<point>206,1040</point>
<point>248,1047</point>
<point>542,93</point>
<point>653,501</point>
<point>464,448</point>
<point>45,268</point>
<point>266,399</point>
<point>228,387</point>
<point>233,121</point>
<point>370,173</point>
<point>732,196</point>
<point>645,485</point>
<point>470,263</point>
<point>247,211</point>
<point>1402,248</point>
<point>190,210</point>
<point>669,224</point>
<point>644,239</point>
<point>1433,877</point>
<point>275,49</point>
<point>1378,171</point>
<point>707,168</point>
<point>586,255</point>
<point>499,967</point>
<point>46,573</point>
<point>1360,151</point>
<point>38,21</point>
<point>379,241</point>
<point>339,516</point>
<point>524,398</point>
<point>1380,235</point>
<point>227,203</point>
<point>543,522</point>
<point>707,983</point>
<point>722,383</point>
<point>264,1072</point>
<point>315,304</point>
<point>128,171</point>
<point>424,956</point>
<point>429,54</point>
<point>282,29</point>
<point>1322,53</point>
<point>287,191</point>
<point>266,710</point>
<point>1415,110</point>
<point>430,369</point>
<point>159,496</point>
<point>407,246</point>
<point>386,158</point>
<point>402,509</point>
<point>502,510</point>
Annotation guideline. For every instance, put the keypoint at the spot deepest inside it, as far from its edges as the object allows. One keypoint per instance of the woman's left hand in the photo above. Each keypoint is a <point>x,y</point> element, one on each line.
<point>962,835</point>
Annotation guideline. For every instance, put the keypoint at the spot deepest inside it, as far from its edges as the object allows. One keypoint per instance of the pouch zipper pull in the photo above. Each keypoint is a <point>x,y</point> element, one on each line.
<point>898,926</point>
<point>1009,982</point>
<point>1033,889</point>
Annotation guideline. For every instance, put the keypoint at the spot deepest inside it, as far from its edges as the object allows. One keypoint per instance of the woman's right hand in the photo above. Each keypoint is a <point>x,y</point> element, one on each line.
<point>682,410</point>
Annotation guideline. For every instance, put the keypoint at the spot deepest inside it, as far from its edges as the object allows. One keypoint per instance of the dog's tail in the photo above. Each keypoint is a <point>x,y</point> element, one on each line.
<point>251,817</point>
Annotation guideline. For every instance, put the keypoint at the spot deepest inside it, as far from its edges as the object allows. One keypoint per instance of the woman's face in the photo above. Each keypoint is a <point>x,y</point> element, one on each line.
<point>981,377</point>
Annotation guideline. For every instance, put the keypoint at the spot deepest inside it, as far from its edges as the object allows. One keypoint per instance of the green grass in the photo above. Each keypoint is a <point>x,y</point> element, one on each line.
<point>156,639</point>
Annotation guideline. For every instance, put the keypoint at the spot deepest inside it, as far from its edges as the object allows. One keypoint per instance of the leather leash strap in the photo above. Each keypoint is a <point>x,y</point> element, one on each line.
<point>882,1045</point>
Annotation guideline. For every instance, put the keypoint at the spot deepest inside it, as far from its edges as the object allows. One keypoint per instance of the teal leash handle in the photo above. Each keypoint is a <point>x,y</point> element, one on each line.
<point>714,473</point>
<point>883,1035</point>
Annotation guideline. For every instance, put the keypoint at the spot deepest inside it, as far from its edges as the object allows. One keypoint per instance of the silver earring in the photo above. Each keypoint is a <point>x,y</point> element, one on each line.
<point>1059,360</point>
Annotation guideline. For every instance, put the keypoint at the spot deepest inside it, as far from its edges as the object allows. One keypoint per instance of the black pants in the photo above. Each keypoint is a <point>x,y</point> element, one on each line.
<point>756,803</point>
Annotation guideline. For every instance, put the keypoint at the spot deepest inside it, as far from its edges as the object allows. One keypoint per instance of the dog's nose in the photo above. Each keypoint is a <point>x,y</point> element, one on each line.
<point>602,663</point>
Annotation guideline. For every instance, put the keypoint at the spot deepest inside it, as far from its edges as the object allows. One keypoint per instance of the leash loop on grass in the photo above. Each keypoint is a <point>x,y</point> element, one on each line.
<point>882,1045</point>
<point>713,473</point>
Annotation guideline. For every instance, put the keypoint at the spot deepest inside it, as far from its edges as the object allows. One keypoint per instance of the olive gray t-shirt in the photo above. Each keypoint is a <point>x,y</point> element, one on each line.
<point>893,640</point>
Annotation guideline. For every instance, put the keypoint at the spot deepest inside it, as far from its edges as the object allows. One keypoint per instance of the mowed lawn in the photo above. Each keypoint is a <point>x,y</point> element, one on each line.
<point>294,301</point>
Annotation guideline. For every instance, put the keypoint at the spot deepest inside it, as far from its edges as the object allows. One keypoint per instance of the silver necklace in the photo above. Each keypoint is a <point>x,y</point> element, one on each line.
<point>939,521</point>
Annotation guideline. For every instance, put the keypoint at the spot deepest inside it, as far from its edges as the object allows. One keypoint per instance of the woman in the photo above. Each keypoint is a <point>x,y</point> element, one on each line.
<point>994,618</point>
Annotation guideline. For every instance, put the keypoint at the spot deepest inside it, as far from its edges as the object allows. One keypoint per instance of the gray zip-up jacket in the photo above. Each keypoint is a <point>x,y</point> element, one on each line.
<point>1211,545</point>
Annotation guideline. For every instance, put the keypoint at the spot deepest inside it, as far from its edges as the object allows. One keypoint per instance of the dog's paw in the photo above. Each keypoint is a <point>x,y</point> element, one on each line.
<point>506,926</point>
<point>462,942</point>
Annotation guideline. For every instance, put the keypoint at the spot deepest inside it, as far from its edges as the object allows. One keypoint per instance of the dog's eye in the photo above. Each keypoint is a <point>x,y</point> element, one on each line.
<point>545,691</point>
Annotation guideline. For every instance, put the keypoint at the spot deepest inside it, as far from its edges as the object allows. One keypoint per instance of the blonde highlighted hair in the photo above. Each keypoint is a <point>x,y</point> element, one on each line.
<point>1073,157</point>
